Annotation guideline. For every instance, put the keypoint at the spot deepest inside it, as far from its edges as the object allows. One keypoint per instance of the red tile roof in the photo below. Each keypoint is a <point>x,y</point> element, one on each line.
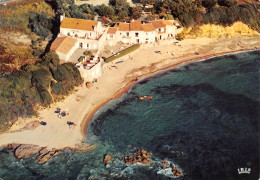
<point>112,30</point>
<point>63,44</point>
<point>166,22</point>
<point>148,27</point>
<point>123,27</point>
<point>158,24</point>
<point>136,25</point>
<point>81,24</point>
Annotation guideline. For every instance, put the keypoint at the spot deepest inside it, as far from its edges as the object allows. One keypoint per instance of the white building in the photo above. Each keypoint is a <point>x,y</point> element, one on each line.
<point>86,34</point>
<point>90,35</point>
<point>137,32</point>
<point>64,47</point>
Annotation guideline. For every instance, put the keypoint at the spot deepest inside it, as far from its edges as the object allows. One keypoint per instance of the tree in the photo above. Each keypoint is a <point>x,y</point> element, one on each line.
<point>118,4</point>
<point>135,12</point>
<point>122,15</point>
<point>209,3</point>
<point>152,2</point>
<point>227,3</point>
<point>52,57</point>
<point>107,11</point>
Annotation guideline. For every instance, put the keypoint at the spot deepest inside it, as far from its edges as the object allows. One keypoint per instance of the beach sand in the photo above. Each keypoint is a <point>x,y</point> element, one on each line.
<point>114,82</point>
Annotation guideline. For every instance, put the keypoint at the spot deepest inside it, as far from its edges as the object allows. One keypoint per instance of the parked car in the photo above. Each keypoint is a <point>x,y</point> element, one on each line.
<point>159,52</point>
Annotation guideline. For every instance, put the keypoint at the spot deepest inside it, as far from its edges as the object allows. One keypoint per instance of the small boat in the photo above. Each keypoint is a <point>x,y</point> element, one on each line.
<point>145,97</point>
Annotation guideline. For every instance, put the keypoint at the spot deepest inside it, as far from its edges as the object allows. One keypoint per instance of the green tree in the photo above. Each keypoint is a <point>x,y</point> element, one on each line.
<point>209,3</point>
<point>122,15</point>
<point>107,11</point>
<point>52,57</point>
<point>135,12</point>
<point>118,4</point>
<point>151,2</point>
<point>227,3</point>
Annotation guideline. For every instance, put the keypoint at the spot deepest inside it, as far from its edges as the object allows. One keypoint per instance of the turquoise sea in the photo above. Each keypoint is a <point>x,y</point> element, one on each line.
<point>203,117</point>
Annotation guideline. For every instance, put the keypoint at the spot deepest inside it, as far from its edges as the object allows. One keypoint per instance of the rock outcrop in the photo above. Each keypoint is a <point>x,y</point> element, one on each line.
<point>166,167</point>
<point>89,85</point>
<point>25,150</point>
<point>141,156</point>
<point>107,159</point>
<point>45,155</point>
<point>32,125</point>
<point>83,147</point>
<point>13,146</point>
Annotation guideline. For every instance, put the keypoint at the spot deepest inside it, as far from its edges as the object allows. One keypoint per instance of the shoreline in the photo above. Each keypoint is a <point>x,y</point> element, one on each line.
<point>112,84</point>
<point>124,90</point>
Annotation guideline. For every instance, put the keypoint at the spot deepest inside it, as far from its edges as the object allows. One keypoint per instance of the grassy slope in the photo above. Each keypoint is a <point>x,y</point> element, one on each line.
<point>17,53</point>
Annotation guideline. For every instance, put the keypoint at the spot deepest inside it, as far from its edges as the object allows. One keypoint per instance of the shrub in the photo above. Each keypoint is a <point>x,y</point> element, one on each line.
<point>180,36</point>
<point>88,53</point>
<point>81,58</point>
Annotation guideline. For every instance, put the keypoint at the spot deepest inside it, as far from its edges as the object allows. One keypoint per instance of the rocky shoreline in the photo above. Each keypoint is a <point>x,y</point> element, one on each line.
<point>143,158</point>
<point>26,150</point>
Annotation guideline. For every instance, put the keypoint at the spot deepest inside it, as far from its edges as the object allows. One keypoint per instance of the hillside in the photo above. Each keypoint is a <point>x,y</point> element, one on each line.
<point>218,31</point>
<point>37,79</point>
<point>17,42</point>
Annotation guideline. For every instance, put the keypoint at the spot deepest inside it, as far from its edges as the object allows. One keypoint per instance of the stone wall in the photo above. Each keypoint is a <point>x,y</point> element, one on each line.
<point>94,72</point>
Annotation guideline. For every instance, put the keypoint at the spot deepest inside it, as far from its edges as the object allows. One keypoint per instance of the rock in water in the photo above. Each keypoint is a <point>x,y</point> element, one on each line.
<point>13,146</point>
<point>83,147</point>
<point>25,150</point>
<point>46,156</point>
<point>107,159</point>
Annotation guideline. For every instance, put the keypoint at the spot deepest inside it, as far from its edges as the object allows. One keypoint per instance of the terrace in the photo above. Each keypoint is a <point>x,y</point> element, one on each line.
<point>89,63</point>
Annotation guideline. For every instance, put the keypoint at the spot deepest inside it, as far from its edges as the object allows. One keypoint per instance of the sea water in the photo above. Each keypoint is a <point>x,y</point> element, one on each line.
<point>203,117</point>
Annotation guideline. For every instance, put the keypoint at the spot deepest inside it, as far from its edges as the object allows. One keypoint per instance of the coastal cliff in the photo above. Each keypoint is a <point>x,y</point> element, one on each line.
<point>217,31</point>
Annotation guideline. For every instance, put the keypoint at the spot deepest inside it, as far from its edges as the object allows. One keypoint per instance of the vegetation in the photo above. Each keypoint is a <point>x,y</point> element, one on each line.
<point>15,15</point>
<point>81,58</point>
<point>88,53</point>
<point>180,36</point>
<point>35,85</point>
<point>122,53</point>
<point>187,12</point>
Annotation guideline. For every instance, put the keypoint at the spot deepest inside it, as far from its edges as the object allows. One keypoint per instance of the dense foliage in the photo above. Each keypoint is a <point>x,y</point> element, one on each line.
<point>224,12</point>
<point>35,85</point>
<point>14,16</point>
<point>187,12</point>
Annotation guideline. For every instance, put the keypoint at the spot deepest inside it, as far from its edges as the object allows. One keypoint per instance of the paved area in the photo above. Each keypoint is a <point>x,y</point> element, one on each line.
<point>76,55</point>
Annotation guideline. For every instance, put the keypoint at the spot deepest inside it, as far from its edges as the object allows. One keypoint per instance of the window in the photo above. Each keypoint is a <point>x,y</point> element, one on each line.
<point>111,36</point>
<point>127,34</point>
<point>136,34</point>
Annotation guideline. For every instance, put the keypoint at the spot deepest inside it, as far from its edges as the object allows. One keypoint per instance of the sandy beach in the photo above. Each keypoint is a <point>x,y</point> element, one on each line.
<point>113,83</point>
